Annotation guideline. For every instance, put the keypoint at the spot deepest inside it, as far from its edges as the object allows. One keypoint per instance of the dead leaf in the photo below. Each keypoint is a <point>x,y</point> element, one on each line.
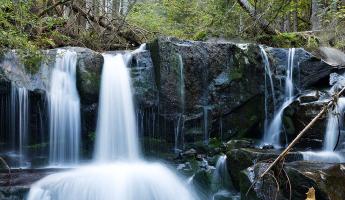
<point>311,194</point>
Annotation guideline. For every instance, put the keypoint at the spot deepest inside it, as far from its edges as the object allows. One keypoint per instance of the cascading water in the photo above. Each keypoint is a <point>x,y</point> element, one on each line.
<point>180,121</point>
<point>268,75</point>
<point>19,122</point>
<point>116,129</point>
<point>64,110</point>
<point>221,181</point>
<point>206,133</point>
<point>272,134</point>
<point>129,178</point>
<point>334,127</point>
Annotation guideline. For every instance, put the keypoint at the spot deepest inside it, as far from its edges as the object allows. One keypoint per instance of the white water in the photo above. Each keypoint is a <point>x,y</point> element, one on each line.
<point>126,179</point>
<point>119,180</point>
<point>272,135</point>
<point>334,123</point>
<point>180,122</point>
<point>116,136</point>
<point>206,133</point>
<point>221,181</point>
<point>64,111</point>
<point>268,75</point>
<point>19,121</point>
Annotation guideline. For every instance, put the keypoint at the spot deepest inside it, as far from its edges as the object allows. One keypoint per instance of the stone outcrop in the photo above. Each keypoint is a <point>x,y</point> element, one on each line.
<point>326,179</point>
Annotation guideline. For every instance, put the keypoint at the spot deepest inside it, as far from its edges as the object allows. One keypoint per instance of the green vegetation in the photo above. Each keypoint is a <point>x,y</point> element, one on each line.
<point>30,25</point>
<point>23,30</point>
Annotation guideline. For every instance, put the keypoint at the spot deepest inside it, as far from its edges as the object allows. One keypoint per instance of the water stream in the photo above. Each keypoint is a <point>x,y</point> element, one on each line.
<point>333,131</point>
<point>273,133</point>
<point>117,172</point>
<point>64,111</point>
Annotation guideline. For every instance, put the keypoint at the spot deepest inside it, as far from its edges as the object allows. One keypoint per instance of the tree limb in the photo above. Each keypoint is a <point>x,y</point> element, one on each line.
<point>61,2</point>
<point>126,33</point>
<point>263,24</point>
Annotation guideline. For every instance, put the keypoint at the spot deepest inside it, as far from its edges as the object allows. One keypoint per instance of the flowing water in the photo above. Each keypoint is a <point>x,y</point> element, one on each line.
<point>121,174</point>
<point>333,131</point>
<point>268,75</point>
<point>64,111</point>
<point>221,181</point>
<point>273,133</point>
<point>19,122</point>
<point>116,136</point>
<point>180,122</point>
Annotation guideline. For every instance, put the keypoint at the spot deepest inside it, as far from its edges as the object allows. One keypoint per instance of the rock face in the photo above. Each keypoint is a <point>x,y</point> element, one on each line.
<point>326,179</point>
<point>242,158</point>
<point>207,83</point>
<point>185,91</point>
<point>17,185</point>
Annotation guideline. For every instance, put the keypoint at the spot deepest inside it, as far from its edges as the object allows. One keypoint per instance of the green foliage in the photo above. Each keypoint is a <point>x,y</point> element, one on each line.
<point>23,30</point>
<point>188,19</point>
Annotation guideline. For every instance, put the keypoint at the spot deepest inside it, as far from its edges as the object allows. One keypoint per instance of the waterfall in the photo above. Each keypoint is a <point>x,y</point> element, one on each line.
<point>121,174</point>
<point>180,122</point>
<point>221,181</point>
<point>64,110</point>
<point>206,133</point>
<point>272,134</point>
<point>334,125</point>
<point>268,75</point>
<point>116,135</point>
<point>19,122</point>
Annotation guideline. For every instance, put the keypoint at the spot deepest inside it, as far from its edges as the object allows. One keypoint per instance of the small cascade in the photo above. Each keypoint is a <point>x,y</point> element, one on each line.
<point>221,181</point>
<point>272,134</point>
<point>206,133</point>
<point>180,122</point>
<point>333,134</point>
<point>118,172</point>
<point>334,126</point>
<point>64,111</point>
<point>19,122</point>
<point>116,114</point>
<point>268,80</point>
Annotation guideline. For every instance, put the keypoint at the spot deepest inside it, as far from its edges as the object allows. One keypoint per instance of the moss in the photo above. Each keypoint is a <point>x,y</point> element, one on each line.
<point>289,40</point>
<point>38,146</point>
<point>201,35</point>
<point>235,74</point>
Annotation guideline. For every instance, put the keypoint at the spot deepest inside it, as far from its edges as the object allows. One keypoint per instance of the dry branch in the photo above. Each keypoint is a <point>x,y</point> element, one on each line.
<point>263,24</point>
<point>126,31</point>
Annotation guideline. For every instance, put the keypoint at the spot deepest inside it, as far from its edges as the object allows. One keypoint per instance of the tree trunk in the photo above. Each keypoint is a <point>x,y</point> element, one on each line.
<point>263,24</point>
<point>287,23</point>
<point>295,17</point>
<point>315,19</point>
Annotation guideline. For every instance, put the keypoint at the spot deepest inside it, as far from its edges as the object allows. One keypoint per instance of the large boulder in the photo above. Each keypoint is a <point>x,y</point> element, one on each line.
<point>240,159</point>
<point>205,82</point>
<point>15,185</point>
<point>327,179</point>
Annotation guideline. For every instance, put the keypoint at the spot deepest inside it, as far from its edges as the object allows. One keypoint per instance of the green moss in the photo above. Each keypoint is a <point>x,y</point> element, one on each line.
<point>235,74</point>
<point>289,40</point>
<point>38,146</point>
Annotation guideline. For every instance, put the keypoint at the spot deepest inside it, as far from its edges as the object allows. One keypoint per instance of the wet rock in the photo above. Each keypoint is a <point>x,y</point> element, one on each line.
<point>237,144</point>
<point>16,185</point>
<point>190,153</point>
<point>143,80</point>
<point>327,179</point>
<point>89,70</point>
<point>219,77</point>
<point>309,69</point>
<point>240,159</point>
